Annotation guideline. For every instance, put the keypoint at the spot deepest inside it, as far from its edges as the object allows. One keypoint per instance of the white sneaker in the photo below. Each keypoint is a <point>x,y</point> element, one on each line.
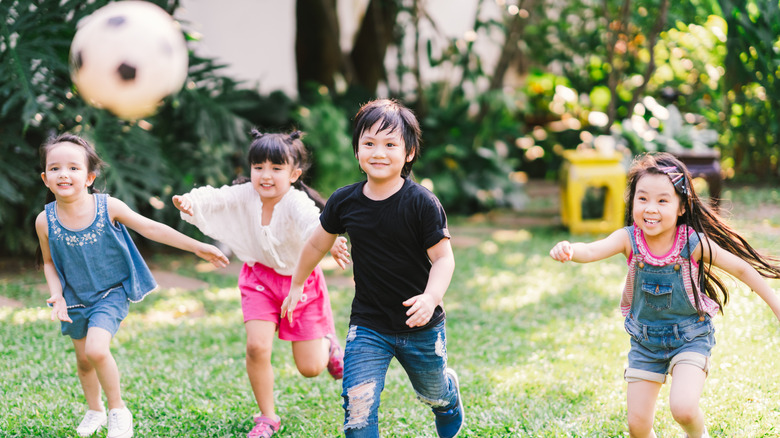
<point>92,422</point>
<point>120,423</point>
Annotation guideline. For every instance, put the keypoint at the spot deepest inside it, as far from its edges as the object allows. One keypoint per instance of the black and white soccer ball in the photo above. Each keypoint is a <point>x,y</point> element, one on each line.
<point>127,56</point>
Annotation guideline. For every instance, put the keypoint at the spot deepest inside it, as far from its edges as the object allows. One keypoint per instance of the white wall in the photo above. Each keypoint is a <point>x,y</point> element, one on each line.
<point>256,38</point>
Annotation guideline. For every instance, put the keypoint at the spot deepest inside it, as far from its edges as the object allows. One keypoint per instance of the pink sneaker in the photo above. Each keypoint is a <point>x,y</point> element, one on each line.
<point>265,427</point>
<point>335,357</point>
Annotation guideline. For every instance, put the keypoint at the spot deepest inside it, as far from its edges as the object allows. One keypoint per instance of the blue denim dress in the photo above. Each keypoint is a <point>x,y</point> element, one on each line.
<point>662,321</point>
<point>94,260</point>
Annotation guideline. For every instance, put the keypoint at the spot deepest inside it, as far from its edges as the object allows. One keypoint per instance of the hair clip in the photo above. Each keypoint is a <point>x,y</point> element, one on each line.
<point>295,135</point>
<point>677,178</point>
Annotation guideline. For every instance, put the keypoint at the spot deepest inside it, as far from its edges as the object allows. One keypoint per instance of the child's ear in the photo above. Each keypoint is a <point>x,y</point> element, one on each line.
<point>410,156</point>
<point>295,175</point>
<point>91,178</point>
<point>43,177</point>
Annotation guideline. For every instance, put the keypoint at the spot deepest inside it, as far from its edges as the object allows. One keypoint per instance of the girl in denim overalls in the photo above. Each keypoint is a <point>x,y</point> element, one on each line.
<point>93,270</point>
<point>671,293</point>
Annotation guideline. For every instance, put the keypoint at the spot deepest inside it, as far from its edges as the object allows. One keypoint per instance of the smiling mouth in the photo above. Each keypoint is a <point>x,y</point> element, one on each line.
<point>651,221</point>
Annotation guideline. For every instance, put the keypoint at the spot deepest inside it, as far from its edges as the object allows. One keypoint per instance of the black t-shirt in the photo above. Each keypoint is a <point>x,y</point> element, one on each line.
<point>390,239</point>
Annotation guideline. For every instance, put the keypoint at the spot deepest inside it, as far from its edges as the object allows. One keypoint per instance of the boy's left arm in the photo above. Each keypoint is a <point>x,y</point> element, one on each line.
<point>421,307</point>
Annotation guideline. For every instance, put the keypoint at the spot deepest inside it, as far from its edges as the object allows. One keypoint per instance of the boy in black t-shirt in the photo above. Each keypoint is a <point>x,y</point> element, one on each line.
<point>403,264</point>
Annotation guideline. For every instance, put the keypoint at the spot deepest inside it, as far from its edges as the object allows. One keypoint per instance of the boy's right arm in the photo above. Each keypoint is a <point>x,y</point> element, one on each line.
<point>315,248</point>
<point>616,243</point>
<point>59,307</point>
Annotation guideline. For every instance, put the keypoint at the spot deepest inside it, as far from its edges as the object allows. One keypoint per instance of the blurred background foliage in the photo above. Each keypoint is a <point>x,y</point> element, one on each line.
<point>569,74</point>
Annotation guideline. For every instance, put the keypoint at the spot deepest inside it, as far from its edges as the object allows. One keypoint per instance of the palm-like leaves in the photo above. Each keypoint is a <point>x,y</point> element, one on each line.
<point>194,139</point>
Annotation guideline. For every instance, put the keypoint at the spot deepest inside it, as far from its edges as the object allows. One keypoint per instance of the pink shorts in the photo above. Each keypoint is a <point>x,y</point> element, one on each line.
<point>263,290</point>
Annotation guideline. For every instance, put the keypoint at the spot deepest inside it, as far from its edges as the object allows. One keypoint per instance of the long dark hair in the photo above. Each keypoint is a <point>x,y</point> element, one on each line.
<point>704,221</point>
<point>94,165</point>
<point>283,149</point>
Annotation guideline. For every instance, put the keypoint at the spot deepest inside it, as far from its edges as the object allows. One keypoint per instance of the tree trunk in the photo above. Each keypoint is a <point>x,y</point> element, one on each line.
<point>367,60</point>
<point>317,51</point>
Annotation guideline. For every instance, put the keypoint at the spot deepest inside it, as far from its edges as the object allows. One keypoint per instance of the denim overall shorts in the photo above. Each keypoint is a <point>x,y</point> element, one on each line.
<point>664,325</point>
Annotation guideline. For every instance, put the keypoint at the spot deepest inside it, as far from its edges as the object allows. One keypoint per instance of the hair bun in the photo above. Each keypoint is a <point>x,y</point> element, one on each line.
<point>255,133</point>
<point>295,135</point>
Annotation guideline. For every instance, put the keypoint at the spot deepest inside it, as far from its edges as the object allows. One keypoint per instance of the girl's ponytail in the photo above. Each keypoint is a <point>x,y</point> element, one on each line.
<point>319,201</point>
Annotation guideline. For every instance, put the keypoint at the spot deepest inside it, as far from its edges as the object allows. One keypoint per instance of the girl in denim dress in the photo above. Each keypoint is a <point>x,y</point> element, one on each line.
<point>672,292</point>
<point>93,270</point>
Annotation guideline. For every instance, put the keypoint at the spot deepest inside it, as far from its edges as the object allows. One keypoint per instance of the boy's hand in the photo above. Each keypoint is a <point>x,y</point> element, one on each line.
<point>289,303</point>
<point>183,204</point>
<point>563,251</point>
<point>421,308</point>
<point>59,310</point>
<point>212,254</point>
<point>339,252</point>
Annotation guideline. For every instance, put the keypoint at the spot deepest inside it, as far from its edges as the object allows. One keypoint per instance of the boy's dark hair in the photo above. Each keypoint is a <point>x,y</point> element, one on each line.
<point>283,149</point>
<point>392,115</point>
<point>705,221</point>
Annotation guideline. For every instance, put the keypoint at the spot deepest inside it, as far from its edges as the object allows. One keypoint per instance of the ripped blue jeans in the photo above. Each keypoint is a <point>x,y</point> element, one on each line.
<point>367,356</point>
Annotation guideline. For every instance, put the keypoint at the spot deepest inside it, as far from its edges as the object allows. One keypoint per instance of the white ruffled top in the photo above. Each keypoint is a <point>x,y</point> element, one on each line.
<point>233,215</point>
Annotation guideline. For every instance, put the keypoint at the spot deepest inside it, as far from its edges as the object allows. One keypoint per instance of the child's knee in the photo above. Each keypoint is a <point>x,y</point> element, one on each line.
<point>684,413</point>
<point>256,351</point>
<point>83,364</point>
<point>359,403</point>
<point>96,354</point>
<point>309,370</point>
<point>639,424</point>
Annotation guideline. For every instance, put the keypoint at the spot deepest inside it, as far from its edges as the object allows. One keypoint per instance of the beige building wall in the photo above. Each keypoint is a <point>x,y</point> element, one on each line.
<point>256,38</point>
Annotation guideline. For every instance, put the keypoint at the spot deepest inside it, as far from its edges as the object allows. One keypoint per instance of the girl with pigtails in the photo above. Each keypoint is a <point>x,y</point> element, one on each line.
<point>673,242</point>
<point>265,222</point>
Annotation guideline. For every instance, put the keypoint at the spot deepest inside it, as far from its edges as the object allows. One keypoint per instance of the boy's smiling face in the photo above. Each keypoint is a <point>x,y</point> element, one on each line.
<point>382,154</point>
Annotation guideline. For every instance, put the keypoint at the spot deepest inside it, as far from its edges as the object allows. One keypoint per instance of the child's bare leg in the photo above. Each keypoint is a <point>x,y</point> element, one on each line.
<point>259,343</point>
<point>640,404</point>
<point>87,375</point>
<point>98,352</point>
<point>311,357</point>
<point>684,396</point>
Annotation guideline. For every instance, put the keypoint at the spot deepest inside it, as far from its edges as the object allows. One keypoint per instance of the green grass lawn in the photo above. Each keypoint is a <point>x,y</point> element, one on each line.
<point>539,347</point>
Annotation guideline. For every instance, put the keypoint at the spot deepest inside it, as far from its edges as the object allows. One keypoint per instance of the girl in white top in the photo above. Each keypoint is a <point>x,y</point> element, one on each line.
<point>266,223</point>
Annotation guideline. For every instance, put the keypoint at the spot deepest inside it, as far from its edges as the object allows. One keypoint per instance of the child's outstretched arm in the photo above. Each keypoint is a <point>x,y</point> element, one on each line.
<point>709,251</point>
<point>315,248</point>
<point>616,243</point>
<point>59,307</point>
<point>153,230</point>
<point>421,307</point>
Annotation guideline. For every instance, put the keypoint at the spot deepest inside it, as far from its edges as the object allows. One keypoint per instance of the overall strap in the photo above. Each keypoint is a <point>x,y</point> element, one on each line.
<point>693,240</point>
<point>51,216</point>
<point>634,247</point>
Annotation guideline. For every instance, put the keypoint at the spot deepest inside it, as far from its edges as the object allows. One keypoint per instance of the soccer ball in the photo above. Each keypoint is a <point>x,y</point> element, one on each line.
<point>127,56</point>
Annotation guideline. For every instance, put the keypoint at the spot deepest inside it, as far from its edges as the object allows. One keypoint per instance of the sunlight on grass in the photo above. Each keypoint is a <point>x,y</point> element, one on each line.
<point>30,315</point>
<point>511,236</point>
<point>223,294</point>
<point>539,346</point>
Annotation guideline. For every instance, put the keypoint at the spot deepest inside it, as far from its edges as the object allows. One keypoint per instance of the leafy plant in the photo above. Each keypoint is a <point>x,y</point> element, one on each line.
<point>197,137</point>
